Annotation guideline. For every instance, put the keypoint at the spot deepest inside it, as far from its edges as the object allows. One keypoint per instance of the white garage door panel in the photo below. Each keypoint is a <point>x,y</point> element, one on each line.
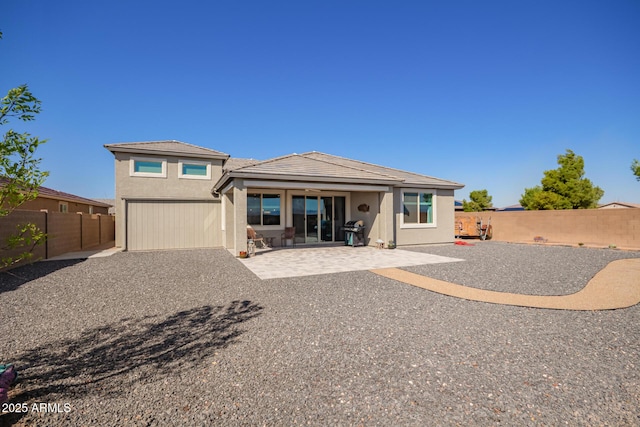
<point>171,225</point>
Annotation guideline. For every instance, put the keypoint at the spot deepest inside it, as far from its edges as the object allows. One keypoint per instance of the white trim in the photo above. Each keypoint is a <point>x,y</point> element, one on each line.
<point>328,186</point>
<point>434,197</point>
<point>132,171</point>
<point>194,162</point>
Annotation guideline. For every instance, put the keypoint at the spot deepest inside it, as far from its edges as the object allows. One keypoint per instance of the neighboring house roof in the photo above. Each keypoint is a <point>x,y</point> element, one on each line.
<point>50,193</point>
<point>110,202</point>
<point>614,205</point>
<point>170,148</point>
<point>67,197</point>
<point>321,167</point>
<point>512,208</point>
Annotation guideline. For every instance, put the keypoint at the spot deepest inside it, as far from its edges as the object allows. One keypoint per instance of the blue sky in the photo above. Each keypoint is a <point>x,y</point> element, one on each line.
<point>482,93</point>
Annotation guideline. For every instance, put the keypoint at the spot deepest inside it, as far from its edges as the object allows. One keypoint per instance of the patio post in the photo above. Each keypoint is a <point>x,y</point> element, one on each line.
<point>240,216</point>
<point>387,218</point>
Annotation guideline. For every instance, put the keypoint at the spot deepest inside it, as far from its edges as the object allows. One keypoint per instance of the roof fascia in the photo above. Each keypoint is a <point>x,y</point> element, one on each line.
<point>288,185</point>
<point>307,178</point>
<point>115,149</point>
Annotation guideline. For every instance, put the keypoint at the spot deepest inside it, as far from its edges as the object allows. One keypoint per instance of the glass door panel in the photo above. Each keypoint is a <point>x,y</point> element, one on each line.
<point>311,205</point>
<point>318,218</point>
<point>339,216</point>
<point>326,219</point>
<point>298,217</point>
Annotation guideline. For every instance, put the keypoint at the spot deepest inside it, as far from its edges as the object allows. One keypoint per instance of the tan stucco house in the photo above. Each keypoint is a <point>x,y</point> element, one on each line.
<point>58,201</point>
<point>170,194</point>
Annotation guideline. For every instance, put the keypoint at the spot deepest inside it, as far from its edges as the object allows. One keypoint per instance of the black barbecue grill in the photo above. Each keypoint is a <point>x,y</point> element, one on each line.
<point>354,233</point>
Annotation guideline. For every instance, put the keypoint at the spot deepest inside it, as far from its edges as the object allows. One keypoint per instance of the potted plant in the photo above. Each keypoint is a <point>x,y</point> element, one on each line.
<point>243,254</point>
<point>391,245</point>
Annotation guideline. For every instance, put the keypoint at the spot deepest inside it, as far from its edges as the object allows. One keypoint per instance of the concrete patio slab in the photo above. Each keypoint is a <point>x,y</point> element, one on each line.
<point>279,263</point>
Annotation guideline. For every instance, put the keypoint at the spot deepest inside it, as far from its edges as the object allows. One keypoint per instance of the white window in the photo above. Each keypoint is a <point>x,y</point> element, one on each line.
<point>148,167</point>
<point>63,207</point>
<point>419,208</point>
<point>194,169</point>
<point>90,210</point>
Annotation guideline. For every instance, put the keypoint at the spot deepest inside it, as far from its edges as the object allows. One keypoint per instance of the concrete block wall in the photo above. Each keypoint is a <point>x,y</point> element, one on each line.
<point>66,232</point>
<point>90,230</point>
<point>592,227</point>
<point>107,228</point>
<point>8,228</point>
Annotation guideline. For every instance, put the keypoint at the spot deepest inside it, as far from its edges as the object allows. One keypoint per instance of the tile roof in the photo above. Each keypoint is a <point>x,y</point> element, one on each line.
<point>235,163</point>
<point>625,204</point>
<point>50,193</point>
<point>405,176</point>
<point>166,147</point>
<point>55,194</point>
<point>300,165</point>
<point>316,165</point>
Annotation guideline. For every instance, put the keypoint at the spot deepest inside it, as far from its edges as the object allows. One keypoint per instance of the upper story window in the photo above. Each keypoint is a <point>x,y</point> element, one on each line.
<point>63,207</point>
<point>418,209</point>
<point>148,167</point>
<point>194,169</point>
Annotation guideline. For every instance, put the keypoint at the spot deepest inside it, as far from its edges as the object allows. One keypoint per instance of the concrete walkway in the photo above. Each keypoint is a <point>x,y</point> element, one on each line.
<point>94,253</point>
<point>615,286</point>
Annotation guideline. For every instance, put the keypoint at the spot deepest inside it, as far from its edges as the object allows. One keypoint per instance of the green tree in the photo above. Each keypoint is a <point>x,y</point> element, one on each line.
<point>563,188</point>
<point>20,176</point>
<point>635,168</point>
<point>480,200</point>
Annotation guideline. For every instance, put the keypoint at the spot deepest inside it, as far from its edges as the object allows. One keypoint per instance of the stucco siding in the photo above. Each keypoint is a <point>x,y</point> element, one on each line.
<point>441,232</point>
<point>171,187</point>
<point>369,218</point>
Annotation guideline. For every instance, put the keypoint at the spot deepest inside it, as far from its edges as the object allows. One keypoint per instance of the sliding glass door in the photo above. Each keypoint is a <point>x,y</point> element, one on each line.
<point>318,218</point>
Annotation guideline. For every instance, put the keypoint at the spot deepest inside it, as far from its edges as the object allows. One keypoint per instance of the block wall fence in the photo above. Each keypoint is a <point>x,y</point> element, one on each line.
<point>66,232</point>
<point>592,227</point>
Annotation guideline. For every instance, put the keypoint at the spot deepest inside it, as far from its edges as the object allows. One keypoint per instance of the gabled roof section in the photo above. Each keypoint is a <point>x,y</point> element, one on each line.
<point>321,167</point>
<point>236,163</point>
<point>301,166</point>
<point>619,204</point>
<point>166,148</point>
<point>408,178</point>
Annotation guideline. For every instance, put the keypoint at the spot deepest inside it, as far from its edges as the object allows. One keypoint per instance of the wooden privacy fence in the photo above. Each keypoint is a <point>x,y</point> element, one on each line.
<point>591,227</point>
<point>66,232</point>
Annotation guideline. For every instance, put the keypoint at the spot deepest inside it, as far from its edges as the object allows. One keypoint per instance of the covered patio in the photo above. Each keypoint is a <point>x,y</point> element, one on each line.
<point>317,193</point>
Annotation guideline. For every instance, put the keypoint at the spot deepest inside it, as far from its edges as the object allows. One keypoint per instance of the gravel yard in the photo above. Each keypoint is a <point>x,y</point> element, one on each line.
<point>183,338</point>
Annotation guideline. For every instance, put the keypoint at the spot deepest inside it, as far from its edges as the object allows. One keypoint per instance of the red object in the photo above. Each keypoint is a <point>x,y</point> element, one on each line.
<point>463,243</point>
